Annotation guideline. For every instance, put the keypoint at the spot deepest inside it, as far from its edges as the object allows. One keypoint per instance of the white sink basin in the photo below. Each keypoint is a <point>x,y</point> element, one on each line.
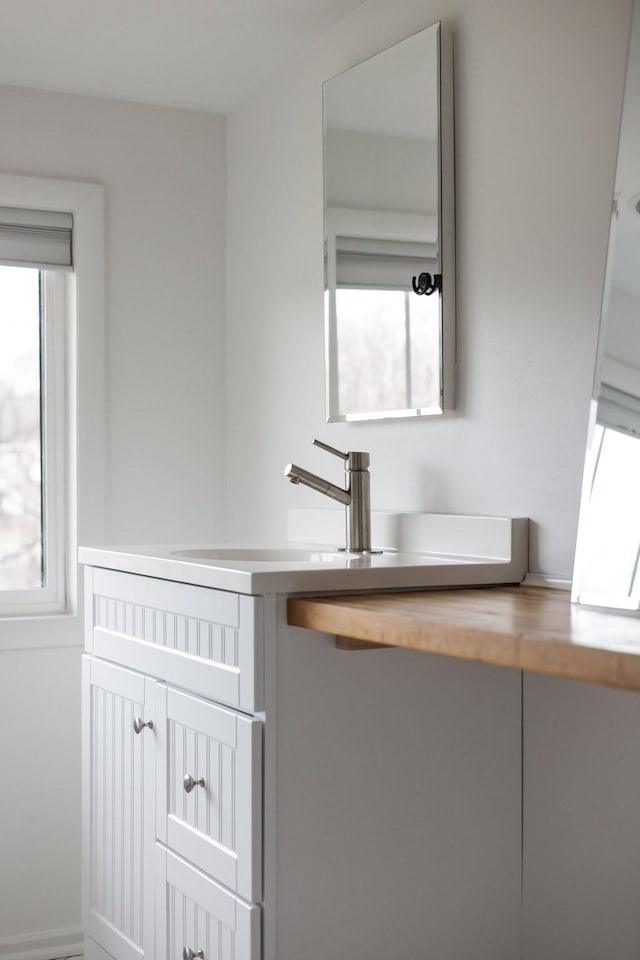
<point>259,555</point>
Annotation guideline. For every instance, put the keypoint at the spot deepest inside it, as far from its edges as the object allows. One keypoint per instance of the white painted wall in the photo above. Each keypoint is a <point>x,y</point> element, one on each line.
<point>538,93</point>
<point>538,88</point>
<point>164,177</point>
<point>164,174</point>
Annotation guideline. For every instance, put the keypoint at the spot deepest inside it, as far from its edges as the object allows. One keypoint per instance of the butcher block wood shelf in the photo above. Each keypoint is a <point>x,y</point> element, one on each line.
<point>529,628</point>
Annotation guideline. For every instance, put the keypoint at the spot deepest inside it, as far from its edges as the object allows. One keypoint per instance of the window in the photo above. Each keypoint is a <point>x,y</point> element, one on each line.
<point>76,465</point>
<point>608,554</point>
<point>384,345</point>
<point>388,347</point>
<point>33,412</point>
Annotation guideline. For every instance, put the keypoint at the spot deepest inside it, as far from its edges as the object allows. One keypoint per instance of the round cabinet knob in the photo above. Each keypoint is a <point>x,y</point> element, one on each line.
<point>189,954</point>
<point>189,783</point>
<point>139,724</point>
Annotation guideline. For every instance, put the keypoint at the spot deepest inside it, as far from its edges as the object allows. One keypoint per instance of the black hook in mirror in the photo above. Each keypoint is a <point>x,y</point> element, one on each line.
<point>425,284</point>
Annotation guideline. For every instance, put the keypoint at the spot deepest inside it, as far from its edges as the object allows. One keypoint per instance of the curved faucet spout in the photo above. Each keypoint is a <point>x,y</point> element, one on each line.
<point>299,475</point>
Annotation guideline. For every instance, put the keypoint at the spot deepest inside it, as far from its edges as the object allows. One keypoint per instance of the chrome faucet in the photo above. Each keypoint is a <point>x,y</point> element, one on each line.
<point>356,497</point>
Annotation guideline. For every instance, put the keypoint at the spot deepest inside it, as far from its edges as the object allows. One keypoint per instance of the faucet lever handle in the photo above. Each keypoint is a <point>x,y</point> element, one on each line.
<point>336,453</point>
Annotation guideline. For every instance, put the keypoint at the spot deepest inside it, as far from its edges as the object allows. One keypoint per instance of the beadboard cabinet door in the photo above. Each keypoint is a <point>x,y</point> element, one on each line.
<point>209,788</point>
<point>118,809</point>
<point>196,917</point>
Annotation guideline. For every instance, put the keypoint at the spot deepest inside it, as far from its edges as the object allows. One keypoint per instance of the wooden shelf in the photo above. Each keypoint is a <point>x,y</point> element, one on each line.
<point>529,628</point>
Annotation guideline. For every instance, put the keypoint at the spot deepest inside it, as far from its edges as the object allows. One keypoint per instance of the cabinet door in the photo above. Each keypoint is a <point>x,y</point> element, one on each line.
<point>198,917</point>
<point>209,788</point>
<point>118,809</point>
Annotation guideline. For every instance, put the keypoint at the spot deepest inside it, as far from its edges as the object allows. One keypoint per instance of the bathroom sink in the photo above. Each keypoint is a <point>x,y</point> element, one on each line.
<point>259,555</point>
<point>421,550</point>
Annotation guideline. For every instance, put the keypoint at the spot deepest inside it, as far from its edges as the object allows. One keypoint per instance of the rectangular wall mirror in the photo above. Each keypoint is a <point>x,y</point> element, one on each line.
<point>389,233</point>
<point>607,565</point>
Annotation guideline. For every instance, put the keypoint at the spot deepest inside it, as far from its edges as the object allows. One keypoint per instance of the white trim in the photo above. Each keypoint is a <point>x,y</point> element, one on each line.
<point>85,354</point>
<point>53,635</point>
<point>541,580</point>
<point>61,942</point>
<point>57,423</point>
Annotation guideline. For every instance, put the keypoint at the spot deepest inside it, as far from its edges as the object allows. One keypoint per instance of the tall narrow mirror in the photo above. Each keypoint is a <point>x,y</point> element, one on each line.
<point>607,565</point>
<point>388,204</point>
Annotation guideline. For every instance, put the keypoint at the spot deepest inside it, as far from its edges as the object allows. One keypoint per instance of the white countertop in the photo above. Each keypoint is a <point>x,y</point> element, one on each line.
<point>342,572</point>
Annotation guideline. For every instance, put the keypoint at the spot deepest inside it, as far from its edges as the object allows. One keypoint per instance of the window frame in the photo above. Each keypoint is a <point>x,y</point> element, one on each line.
<point>81,495</point>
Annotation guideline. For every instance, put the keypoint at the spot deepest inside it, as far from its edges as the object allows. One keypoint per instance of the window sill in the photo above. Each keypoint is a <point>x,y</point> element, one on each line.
<point>40,630</point>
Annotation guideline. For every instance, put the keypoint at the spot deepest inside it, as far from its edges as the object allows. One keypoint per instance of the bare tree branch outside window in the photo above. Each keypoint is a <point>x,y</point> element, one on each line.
<point>20,430</point>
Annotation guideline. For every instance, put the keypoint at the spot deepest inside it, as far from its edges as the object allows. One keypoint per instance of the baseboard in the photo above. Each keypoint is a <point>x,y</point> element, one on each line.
<point>540,580</point>
<point>47,945</point>
<point>93,952</point>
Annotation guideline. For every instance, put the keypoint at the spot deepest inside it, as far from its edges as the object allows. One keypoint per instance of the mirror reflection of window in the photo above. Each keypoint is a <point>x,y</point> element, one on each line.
<point>608,548</point>
<point>613,520</point>
<point>388,350</point>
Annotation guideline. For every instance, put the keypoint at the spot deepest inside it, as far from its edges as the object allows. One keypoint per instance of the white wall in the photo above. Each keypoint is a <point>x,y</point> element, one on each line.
<point>581,852</point>
<point>538,93</point>
<point>538,88</point>
<point>164,177</point>
<point>164,173</point>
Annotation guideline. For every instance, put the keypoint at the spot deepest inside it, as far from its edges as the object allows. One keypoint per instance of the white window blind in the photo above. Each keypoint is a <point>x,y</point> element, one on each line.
<point>36,238</point>
<point>619,410</point>
<point>382,264</point>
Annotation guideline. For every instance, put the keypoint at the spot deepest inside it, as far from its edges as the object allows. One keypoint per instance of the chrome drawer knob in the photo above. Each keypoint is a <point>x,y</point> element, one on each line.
<point>189,954</point>
<point>139,724</point>
<point>189,783</point>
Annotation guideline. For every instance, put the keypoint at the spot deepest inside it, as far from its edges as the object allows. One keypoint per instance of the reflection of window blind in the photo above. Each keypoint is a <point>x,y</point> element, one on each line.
<point>619,410</point>
<point>35,238</point>
<point>382,264</point>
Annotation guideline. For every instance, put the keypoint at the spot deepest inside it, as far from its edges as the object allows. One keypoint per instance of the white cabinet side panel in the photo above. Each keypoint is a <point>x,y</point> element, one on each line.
<point>581,837</point>
<point>251,652</point>
<point>398,814</point>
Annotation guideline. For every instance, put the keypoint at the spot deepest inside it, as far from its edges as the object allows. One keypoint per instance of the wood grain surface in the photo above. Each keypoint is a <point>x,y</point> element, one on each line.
<point>529,628</point>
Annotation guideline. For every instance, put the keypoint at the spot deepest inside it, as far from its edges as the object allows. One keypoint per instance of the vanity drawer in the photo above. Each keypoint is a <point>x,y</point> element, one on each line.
<point>205,640</point>
<point>195,913</point>
<point>209,788</point>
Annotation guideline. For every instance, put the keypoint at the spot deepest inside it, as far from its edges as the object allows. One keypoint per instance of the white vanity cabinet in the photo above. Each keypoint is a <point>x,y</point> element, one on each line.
<point>172,780</point>
<point>353,805</point>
